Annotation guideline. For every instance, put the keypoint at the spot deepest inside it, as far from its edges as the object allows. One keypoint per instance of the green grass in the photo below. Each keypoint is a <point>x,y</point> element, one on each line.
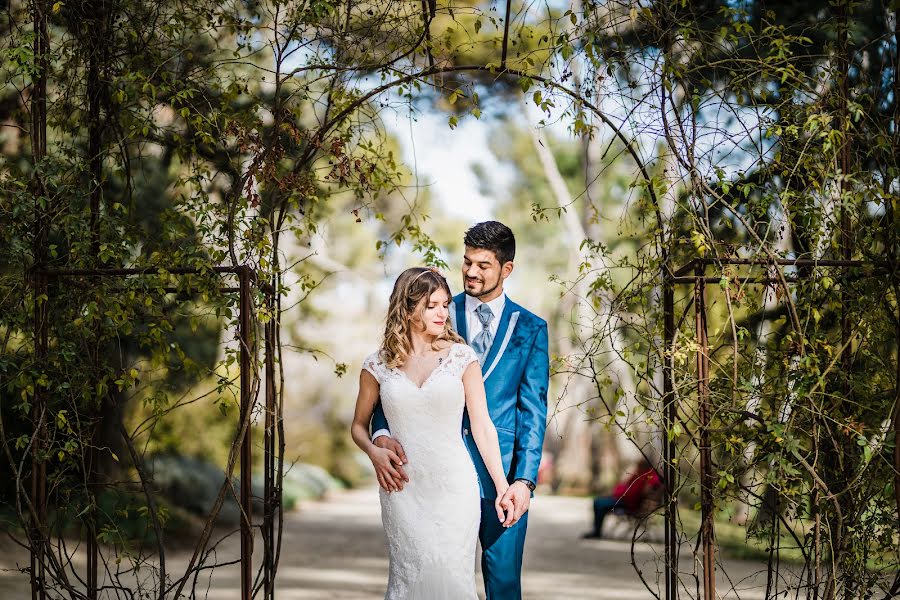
<point>732,539</point>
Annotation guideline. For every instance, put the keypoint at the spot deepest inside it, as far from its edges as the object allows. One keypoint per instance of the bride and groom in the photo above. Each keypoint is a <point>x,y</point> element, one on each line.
<point>458,427</point>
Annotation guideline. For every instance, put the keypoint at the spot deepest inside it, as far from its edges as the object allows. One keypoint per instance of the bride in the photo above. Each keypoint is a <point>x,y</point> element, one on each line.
<point>424,376</point>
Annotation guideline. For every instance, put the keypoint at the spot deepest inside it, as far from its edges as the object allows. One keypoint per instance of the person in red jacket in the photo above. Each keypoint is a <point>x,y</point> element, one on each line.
<point>628,494</point>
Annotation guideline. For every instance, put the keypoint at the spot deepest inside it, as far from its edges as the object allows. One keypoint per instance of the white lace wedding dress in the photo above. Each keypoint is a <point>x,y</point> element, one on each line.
<point>432,524</point>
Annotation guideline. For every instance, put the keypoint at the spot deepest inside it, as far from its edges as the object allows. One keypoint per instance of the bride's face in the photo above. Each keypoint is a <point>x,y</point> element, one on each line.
<point>432,314</point>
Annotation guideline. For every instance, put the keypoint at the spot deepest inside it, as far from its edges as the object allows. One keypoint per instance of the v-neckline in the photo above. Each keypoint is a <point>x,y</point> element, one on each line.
<point>431,374</point>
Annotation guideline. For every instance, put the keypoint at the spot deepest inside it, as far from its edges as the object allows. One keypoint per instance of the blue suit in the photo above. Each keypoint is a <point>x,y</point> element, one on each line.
<point>516,375</point>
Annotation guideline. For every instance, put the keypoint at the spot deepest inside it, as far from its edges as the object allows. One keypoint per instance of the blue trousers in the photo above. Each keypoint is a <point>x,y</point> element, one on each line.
<point>602,506</point>
<point>501,554</point>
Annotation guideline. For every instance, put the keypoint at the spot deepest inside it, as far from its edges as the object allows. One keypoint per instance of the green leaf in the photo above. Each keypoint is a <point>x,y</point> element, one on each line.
<point>699,241</point>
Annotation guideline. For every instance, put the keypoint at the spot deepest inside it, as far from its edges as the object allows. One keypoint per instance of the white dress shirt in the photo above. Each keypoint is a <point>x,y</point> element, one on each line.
<point>473,328</point>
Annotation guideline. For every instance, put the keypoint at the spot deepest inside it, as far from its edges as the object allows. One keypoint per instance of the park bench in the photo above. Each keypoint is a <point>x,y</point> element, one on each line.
<point>621,522</point>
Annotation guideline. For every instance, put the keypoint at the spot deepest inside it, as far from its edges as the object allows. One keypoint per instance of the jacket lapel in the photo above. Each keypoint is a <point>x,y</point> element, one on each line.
<point>513,319</point>
<point>459,303</point>
<point>497,344</point>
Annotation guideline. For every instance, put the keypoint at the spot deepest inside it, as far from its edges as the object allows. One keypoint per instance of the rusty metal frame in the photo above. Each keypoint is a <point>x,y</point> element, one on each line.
<point>693,273</point>
<point>272,500</point>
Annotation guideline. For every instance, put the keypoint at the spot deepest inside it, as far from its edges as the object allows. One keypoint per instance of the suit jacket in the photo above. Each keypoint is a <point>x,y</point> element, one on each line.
<point>516,376</point>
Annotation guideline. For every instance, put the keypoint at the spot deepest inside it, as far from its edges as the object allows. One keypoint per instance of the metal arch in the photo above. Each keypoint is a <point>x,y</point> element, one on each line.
<point>698,281</point>
<point>272,501</point>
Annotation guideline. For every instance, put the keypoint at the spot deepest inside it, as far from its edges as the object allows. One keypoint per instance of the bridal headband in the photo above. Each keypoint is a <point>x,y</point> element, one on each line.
<point>433,270</point>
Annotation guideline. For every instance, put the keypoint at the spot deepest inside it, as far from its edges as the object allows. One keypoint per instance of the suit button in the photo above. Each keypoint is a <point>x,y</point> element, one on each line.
<point>465,432</point>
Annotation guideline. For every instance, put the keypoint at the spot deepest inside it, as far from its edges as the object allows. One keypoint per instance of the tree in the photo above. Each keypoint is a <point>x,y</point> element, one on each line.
<point>181,135</point>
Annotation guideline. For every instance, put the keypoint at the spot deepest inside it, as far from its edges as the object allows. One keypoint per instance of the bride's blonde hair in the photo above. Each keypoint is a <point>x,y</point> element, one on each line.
<point>411,292</point>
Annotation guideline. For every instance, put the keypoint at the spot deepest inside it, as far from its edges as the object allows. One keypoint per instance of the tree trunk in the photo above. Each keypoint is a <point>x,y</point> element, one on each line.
<point>575,460</point>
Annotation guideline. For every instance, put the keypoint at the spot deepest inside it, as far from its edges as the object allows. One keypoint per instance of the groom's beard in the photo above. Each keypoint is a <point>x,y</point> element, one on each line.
<point>483,292</point>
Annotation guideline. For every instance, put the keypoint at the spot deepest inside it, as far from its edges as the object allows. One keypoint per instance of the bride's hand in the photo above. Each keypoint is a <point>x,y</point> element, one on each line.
<point>503,506</point>
<point>389,477</point>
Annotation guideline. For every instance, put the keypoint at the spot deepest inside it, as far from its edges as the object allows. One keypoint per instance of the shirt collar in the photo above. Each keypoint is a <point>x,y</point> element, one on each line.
<point>496,305</point>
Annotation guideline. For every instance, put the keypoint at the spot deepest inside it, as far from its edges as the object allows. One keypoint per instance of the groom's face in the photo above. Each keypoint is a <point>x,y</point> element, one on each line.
<point>483,275</point>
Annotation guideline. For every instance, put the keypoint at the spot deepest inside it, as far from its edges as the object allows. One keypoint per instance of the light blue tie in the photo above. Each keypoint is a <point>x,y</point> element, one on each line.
<point>482,342</point>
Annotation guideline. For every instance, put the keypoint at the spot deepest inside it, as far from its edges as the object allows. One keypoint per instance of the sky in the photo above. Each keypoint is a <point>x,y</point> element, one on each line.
<point>442,158</point>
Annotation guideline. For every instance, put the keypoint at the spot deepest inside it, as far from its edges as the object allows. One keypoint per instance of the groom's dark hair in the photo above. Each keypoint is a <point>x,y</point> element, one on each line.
<point>493,236</point>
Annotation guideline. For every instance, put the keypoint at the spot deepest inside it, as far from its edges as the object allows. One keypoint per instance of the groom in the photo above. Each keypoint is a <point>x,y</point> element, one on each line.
<point>512,346</point>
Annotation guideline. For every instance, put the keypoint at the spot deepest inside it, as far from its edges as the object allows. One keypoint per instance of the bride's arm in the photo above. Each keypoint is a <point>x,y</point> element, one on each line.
<point>483,429</point>
<point>383,459</point>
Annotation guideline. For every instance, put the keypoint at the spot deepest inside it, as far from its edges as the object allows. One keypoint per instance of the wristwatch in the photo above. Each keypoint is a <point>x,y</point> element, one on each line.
<point>527,482</point>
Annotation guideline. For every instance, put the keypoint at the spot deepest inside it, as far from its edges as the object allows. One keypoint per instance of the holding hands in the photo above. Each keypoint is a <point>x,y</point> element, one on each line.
<point>514,500</point>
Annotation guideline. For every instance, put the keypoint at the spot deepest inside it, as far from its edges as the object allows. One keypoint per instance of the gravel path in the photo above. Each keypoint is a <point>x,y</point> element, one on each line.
<point>335,549</point>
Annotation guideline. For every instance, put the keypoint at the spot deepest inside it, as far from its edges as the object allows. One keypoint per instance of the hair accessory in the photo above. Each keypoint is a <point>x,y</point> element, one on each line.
<point>429,270</point>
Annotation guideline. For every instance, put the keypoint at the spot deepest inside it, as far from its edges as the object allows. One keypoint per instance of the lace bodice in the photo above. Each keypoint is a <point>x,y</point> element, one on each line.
<point>428,418</point>
<point>459,357</point>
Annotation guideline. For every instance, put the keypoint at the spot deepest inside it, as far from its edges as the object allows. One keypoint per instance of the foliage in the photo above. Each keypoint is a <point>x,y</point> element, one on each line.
<point>170,139</point>
<point>199,134</point>
<point>176,137</point>
<point>759,133</point>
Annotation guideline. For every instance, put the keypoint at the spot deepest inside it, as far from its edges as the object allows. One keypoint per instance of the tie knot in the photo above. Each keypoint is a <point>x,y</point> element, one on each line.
<point>485,314</point>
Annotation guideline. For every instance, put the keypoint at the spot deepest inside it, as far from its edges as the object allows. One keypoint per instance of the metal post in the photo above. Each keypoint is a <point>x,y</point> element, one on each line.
<point>38,465</point>
<point>670,414</point>
<point>93,550</point>
<point>846,241</point>
<point>95,163</point>
<point>269,505</point>
<point>38,109</point>
<point>707,527</point>
<point>245,338</point>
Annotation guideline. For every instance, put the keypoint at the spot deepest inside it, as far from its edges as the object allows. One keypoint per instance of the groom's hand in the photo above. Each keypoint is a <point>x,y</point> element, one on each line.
<point>519,495</point>
<point>391,475</point>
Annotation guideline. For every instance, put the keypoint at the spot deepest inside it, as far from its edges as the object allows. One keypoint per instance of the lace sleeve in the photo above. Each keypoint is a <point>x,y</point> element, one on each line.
<point>373,365</point>
<point>463,356</point>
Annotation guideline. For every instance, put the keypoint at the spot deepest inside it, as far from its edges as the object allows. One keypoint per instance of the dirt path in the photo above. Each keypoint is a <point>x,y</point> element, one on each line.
<point>336,549</point>
<point>345,556</point>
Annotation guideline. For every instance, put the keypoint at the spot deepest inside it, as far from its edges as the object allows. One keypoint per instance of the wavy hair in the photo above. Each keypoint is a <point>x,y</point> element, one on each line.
<point>411,288</point>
